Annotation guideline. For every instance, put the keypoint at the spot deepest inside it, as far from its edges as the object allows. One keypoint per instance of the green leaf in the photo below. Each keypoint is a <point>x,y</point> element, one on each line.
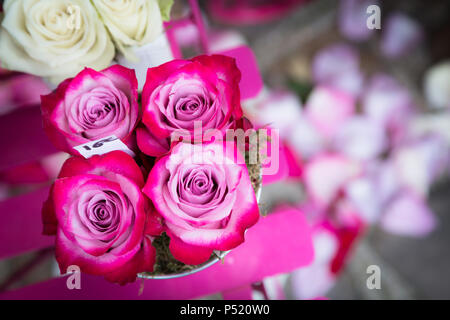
<point>165,6</point>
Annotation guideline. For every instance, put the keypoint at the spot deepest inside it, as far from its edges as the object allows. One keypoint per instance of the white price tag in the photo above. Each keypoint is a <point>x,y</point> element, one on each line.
<point>102,146</point>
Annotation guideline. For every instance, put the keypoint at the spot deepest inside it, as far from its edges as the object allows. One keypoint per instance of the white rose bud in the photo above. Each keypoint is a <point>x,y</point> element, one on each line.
<point>133,23</point>
<point>54,39</point>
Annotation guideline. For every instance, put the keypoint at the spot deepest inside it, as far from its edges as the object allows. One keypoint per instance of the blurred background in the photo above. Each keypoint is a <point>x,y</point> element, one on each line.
<point>342,95</point>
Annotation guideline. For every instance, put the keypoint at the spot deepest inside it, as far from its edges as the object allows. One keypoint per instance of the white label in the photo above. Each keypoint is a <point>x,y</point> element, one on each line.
<point>150,55</point>
<point>102,146</point>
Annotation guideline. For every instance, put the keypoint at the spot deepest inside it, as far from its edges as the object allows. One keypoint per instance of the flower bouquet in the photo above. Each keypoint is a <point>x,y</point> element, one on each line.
<point>159,184</point>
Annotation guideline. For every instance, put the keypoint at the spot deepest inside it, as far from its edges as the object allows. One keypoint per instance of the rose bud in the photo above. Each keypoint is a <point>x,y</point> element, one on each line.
<point>91,106</point>
<point>206,198</point>
<point>103,222</point>
<point>183,93</point>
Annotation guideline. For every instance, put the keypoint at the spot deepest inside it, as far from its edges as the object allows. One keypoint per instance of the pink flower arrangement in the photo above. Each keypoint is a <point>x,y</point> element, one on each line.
<point>107,210</point>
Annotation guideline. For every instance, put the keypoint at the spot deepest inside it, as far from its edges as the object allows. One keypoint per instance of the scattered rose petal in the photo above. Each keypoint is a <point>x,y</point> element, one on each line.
<point>328,109</point>
<point>400,36</point>
<point>408,215</point>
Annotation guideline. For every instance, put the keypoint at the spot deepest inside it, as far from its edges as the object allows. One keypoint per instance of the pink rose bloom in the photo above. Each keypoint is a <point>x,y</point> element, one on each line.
<point>181,92</point>
<point>103,222</point>
<point>206,198</point>
<point>91,106</point>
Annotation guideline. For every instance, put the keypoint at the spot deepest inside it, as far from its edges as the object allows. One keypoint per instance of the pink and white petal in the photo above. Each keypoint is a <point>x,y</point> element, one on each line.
<point>157,75</point>
<point>68,253</point>
<point>66,190</point>
<point>226,70</point>
<point>364,196</point>
<point>224,66</point>
<point>123,78</point>
<point>338,66</point>
<point>280,110</point>
<point>421,162</point>
<point>312,281</point>
<point>151,145</point>
<point>328,109</point>
<point>327,174</point>
<point>143,261</point>
<point>52,105</point>
<point>408,215</point>
<point>156,182</point>
<point>187,253</point>
<point>361,138</point>
<point>400,36</point>
<point>316,279</point>
<point>386,101</point>
<point>86,80</point>
<point>140,208</point>
<point>113,162</point>
<point>305,139</point>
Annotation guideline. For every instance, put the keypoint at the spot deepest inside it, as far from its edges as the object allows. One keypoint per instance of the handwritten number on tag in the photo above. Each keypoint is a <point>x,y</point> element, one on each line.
<point>100,143</point>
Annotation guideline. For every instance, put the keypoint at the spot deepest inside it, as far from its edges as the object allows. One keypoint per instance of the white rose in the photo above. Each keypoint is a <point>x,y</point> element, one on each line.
<point>132,23</point>
<point>53,38</point>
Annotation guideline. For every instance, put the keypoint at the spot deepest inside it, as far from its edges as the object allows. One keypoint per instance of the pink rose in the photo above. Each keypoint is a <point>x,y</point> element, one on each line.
<point>91,106</point>
<point>206,198</point>
<point>103,222</point>
<point>180,93</point>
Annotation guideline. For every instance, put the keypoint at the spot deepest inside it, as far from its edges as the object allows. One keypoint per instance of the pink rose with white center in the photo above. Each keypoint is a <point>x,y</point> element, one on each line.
<point>91,106</point>
<point>205,197</point>
<point>181,93</point>
<point>103,222</point>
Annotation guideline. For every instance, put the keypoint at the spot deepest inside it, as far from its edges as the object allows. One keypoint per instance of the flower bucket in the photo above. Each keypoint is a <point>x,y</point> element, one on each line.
<point>250,86</point>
